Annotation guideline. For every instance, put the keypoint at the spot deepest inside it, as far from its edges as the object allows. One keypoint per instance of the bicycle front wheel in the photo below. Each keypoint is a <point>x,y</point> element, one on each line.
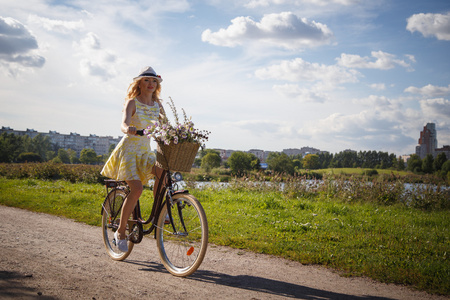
<point>182,249</point>
<point>110,223</point>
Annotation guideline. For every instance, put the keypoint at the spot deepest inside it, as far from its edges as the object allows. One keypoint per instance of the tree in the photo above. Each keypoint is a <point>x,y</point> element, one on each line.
<point>427,164</point>
<point>400,164</point>
<point>440,159</point>
<point>10,147</point>
<point>325,159</point>
<point>88,156</point>
<point>311,161</point>
<point>62,156</point>
<point>111,149</point>
<point>385,161</point>
<point>280,163</point>
<point>256,163</point>
<point>210,161</point>
<point>240,162</point>
<point>203,152</point>
<point>50,155</point>
<point>41,144</point>
<point>414,164</point>
<point>73,156</point>
<point>297,161</point>
<point>394,161</point>
<point>445,170</point>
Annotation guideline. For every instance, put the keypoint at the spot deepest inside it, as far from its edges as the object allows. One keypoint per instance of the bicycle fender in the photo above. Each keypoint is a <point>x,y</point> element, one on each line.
<point>181,192</point>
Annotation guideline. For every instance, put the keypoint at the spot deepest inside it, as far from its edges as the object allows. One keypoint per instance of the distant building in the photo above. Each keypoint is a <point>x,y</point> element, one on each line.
<point>427,141</point>
<point>445,149</point>
<point>303,151</point>
<point>74,141</point>
<point>225,154</point>
<point>405,158</point>
<point>260,154</point>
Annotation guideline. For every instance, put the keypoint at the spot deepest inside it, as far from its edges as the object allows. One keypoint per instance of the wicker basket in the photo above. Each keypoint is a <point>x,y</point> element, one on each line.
<point>176,157</point>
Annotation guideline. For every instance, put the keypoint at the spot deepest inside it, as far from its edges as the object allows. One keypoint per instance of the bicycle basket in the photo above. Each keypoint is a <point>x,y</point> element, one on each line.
<point>176,157</point>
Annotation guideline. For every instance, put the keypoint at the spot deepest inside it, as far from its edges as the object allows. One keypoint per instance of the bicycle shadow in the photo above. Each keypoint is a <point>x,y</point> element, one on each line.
<point>259,284</point>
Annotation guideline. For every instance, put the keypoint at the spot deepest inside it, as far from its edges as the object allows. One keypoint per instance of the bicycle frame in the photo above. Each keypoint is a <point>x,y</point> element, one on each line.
<point>164,193</point>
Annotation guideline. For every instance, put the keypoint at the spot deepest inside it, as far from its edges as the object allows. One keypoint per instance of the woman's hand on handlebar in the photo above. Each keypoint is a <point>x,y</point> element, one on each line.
<point>131,130</point>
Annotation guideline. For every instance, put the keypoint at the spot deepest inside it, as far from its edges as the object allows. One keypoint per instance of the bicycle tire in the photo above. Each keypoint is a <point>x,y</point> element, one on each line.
<point>111,210</point>
<point>182,252</point>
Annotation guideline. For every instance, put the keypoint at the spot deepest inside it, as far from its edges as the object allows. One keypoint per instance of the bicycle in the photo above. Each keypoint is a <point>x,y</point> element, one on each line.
<point>177,219</point>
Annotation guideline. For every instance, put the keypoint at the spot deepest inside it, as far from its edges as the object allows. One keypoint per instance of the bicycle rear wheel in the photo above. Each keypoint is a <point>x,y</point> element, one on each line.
<point>182,251</point>
<point>110,222</point>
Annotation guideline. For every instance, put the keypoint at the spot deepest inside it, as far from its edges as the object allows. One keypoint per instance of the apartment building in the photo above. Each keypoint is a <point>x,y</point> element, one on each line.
<point>445,149</point>
<point>302,151</point>
<point>74,141</point>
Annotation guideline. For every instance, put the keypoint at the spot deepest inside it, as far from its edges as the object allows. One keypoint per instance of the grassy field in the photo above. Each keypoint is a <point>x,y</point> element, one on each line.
<point>390,243</point>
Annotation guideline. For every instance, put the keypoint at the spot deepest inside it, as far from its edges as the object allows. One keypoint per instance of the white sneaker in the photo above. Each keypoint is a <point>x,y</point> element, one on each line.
<point>121,244</point>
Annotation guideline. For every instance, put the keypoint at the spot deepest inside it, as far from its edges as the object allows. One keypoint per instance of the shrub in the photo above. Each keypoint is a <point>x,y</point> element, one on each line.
<point>29,157</point>
<point>53,171</point>
<point>372,172</point>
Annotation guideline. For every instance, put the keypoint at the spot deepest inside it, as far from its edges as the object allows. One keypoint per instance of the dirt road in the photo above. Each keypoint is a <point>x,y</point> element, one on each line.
<point>47,257</point>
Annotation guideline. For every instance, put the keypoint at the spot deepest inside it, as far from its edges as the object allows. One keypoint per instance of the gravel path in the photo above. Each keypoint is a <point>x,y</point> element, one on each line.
<point>47,257</point>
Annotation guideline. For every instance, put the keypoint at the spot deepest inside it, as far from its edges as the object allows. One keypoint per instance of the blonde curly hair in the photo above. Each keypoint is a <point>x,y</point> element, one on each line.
<point>134,90</point>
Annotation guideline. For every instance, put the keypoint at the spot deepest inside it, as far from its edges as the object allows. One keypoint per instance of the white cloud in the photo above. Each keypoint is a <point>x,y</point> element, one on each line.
<point>437,25</point>
<point>95,61</point>
<point>429,90</point>
<point>302,94</point>
<point>56,25</point>
<point>300,70</point>
<point>90,42</point>
<point>265,3</point>
<point>378,86</point>
<point>17,46</point>
<point>372,129</point>
<point>376,102</point>
<point>284,30</point>
<point>383,61</point>
<point>438,108</point>
<point>264,127</point>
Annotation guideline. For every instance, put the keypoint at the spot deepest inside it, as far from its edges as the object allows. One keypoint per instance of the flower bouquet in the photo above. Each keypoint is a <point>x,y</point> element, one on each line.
<point>178,143</point>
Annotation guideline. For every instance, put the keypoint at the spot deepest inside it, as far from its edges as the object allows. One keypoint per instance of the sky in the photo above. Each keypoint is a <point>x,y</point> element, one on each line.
<point>257,74</point>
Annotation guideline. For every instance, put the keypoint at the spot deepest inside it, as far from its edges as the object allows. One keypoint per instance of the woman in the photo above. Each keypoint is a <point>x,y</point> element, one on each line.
<point>132,160</point>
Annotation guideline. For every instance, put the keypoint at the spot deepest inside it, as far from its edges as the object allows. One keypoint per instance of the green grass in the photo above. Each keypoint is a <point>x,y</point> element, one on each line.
<point>395,244</point>
<point>390,244</point>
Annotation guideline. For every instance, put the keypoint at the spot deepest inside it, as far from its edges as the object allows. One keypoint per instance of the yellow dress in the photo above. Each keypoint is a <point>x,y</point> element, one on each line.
<point>132,159</point>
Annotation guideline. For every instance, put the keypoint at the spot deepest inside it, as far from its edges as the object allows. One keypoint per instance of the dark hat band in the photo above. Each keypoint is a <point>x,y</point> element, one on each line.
<point>148,74</point>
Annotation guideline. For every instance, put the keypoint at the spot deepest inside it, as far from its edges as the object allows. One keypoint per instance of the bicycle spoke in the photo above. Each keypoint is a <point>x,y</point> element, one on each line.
<point>183,251</point>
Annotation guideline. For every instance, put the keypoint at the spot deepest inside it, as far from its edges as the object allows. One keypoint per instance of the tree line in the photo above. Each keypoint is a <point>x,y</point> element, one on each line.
<point>242,162</point>
<point>16,148</point>
<point>23,148</point>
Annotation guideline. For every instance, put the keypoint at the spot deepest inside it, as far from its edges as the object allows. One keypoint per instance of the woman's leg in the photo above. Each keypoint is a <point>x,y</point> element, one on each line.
<point>136,189</point>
